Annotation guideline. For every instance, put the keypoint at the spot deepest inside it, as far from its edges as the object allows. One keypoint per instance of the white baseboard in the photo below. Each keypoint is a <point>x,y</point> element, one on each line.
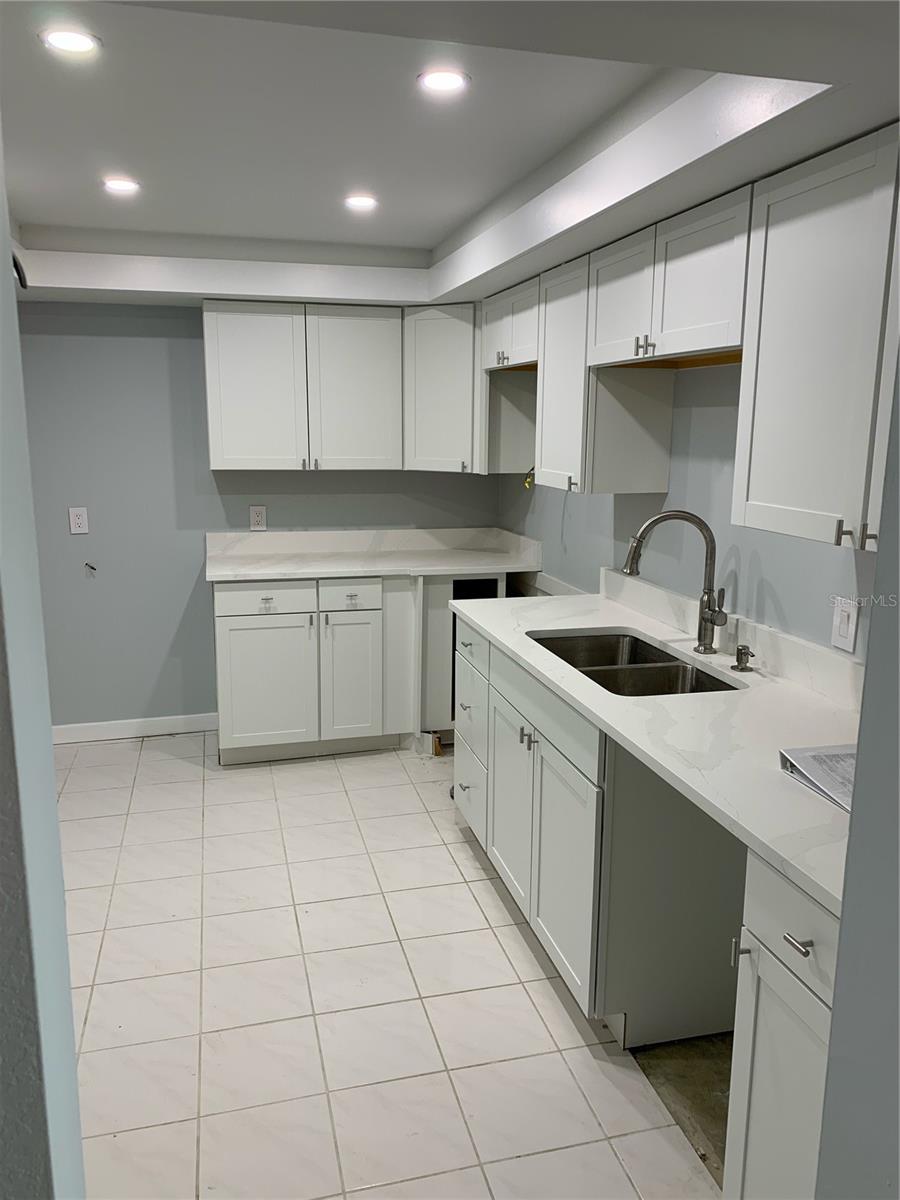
<point>110,731</point>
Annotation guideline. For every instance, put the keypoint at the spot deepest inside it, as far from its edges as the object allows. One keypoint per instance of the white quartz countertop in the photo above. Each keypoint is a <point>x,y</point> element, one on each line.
<point>319,554</point>
<point>720,749</point>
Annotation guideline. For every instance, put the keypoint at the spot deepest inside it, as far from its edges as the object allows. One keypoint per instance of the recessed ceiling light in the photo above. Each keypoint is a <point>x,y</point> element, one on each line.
<point>361,203</point>
<point>121,185</point>
<point>444,80</point>
<point>70,41</point>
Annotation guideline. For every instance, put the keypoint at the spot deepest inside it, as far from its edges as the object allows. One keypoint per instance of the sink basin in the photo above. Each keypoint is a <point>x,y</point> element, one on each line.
<point>629,666</point>
<point>589,650</point>
<point>657,679</point>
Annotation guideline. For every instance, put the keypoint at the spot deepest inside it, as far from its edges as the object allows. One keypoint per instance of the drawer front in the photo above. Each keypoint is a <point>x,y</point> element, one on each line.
<point>261,599</point>
<point>580,741</point>
<point>774,907</point>
<point>337,595</point>
<point>471,717</point>
<point>472,646</point>
<point>470,789</point>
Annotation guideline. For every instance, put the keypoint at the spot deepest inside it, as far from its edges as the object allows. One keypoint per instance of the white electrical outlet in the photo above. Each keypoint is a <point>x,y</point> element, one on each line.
<point>843,627</point>
<point>78,522</point>
<point>257,516</point>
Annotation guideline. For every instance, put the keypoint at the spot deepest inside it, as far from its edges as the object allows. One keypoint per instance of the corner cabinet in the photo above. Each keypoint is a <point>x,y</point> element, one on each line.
<point>256,386</point>
<point>355,385</point>
<point>438,387</point>
<point>817,346</point>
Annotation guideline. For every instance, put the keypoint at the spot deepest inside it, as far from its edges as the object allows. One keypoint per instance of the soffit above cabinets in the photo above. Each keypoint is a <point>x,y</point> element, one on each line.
<point>246,134</point>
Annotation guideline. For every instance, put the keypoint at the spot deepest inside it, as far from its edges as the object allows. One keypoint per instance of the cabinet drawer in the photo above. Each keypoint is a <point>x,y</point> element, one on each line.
<point>470,788</point>
<point>580,741</point>
<point>336,595</point>
<point>472,646</point>
<point>774,907</point>
<point>471,717</point>
<point>260,599</point>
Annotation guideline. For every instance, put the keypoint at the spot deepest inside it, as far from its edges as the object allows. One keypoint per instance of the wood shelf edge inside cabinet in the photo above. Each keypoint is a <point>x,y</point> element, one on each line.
<point>713,359</point>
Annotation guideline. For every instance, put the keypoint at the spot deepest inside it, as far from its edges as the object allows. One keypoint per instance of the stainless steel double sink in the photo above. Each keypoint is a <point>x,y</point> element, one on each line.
<point>628,666</point>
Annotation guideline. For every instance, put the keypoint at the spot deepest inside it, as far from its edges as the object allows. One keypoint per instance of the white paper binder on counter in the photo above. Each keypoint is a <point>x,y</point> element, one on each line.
<point>828,770</point>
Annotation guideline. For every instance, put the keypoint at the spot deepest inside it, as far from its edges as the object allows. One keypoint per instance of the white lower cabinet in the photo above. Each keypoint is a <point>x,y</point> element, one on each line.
<point>268,679</point>
<point>777,1081</point>
<point>509,818</point>
<point>564,867</point>
<point>351,674</point>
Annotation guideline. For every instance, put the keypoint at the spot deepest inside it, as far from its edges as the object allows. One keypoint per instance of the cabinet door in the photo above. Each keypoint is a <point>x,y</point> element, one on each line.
<point>268,680</point>
<point>777,1082</point>
<point>510,329</point>
<point>564,887</point>
<point>621,299</point>
<point>256,386</point>
<point>351,675</point>
<point>818,264</point>
<point>355,387</point>
<point>509,818</point>
<point>887,389</point>
<point>698,277</point>
<point>562,377</point>
<point>438,383</point>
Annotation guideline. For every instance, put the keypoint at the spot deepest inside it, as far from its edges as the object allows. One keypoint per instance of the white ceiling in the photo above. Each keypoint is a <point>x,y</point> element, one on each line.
<point>252,129</point>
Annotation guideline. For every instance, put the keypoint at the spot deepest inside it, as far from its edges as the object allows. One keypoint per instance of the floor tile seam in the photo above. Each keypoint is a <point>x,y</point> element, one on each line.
<point>427,1015</point>
<point>309,992</point>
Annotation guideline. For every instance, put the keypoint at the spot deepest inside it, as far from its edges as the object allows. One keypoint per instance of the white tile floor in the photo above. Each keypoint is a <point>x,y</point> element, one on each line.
<point>296,980</point>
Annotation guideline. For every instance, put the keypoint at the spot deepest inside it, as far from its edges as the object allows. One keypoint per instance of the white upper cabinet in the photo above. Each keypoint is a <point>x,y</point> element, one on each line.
<point>355,387</point>
<point>256,386</point>
<point>675,288</point>
<point>562,377</point>
<point>510,334</point>
<point>621,298</point>
<point>816,290</point>
<point>698,278</point>
<point>438,387</point>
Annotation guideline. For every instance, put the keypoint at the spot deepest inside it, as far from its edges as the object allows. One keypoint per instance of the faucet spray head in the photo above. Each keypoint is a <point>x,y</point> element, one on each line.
<point>633,557</point>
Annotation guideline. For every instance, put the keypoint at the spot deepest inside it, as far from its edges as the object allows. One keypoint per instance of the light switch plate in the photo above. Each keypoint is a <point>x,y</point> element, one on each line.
<point>257,516</point>
<point>843,627</point>
<point>78,521</point>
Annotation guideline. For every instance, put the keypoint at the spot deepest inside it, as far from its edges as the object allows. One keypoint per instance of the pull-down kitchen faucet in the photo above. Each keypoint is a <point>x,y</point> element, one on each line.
<point>712,614</point>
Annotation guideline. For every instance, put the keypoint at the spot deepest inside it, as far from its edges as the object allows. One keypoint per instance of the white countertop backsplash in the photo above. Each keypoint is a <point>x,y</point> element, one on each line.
<point>720,749</point>
<point>321,553</point>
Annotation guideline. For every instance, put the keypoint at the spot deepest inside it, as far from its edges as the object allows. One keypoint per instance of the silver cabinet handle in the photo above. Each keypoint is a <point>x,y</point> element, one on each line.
<point>315,464</point>
<point>647,344</point>
<point>840,532</point>
<point>312,620</point>
<point>464,787</point>
<point>463,468</point>
<point>737,950</point>
<point>468,645</point>
<point>266,599</point>
<point>302,464</point>
<point>802,948</point>
<point>499,358</point>
<point>865,536</point>
<point>326,618</point>
<point>521,735</point>
<point>530,741</point>
<point>637,345</point>
<point>465,707</point>
<point>352,595</point>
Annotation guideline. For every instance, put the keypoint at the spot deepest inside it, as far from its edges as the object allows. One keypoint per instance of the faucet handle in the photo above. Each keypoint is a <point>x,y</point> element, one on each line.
<point>716,615</point>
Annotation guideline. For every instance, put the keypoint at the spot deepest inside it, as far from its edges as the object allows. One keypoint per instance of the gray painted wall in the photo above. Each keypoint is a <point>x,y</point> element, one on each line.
<point>785,582</point>
<point>859,1153</point>
<point>40,1139</point>
<point>117,421</point>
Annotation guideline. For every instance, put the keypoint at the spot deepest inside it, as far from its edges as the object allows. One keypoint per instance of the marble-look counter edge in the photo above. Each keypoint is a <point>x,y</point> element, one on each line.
<point>747,794</point>
<point>455,562</point>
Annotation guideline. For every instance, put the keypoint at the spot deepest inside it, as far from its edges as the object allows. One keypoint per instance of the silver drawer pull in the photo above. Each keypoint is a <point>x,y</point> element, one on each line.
<point>266,599</point>
<point>803,947</point>
<point>464,787</point>
<point>465,707</point>
<point>352,595</point>
<point>521,735</point>
<point>468,645</point>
